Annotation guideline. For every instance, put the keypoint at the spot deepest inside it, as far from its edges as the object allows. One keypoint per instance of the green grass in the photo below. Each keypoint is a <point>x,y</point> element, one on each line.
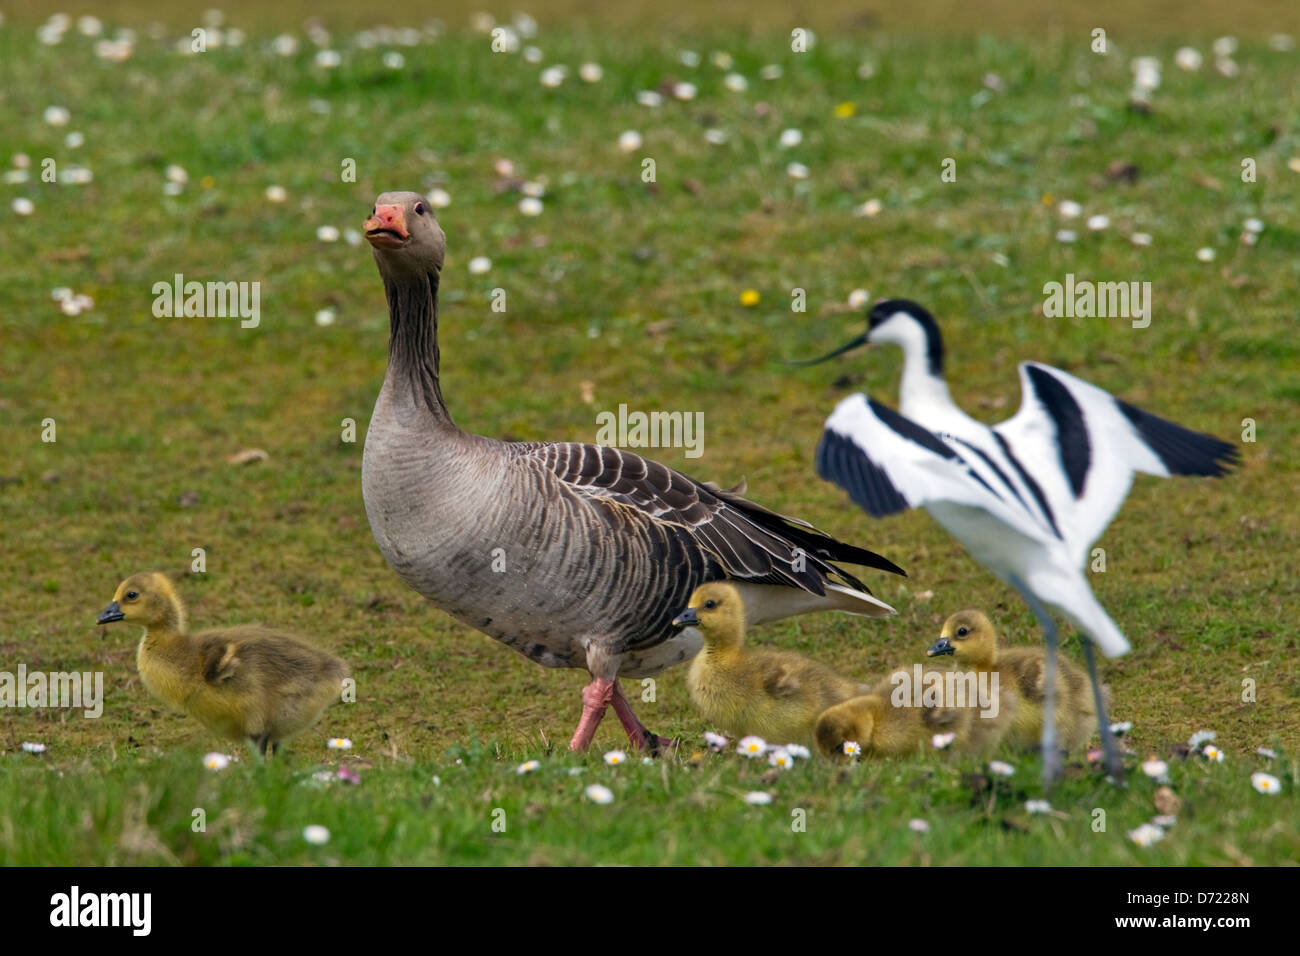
<point>635,291</point>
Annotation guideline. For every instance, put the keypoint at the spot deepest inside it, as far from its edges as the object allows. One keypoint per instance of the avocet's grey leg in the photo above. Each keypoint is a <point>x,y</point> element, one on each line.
<point>1114,766</point>
<point>1051,751</point>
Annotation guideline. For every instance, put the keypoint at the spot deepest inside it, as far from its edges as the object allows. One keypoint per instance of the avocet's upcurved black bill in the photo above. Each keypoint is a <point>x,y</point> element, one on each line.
<point>848,347</point>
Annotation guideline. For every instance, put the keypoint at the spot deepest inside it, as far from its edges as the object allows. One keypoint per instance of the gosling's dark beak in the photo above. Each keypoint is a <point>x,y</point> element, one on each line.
<point>687,618</point>
<point>848,347</point>
<point>110,614</point>
<point>940,647</point>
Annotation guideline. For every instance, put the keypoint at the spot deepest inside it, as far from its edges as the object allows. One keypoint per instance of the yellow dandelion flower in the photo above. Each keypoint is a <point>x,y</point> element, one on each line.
<point>749,298</point>
<point>845,110</point>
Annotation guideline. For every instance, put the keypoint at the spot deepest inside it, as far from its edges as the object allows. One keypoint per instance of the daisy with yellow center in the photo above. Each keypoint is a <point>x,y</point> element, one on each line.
<point>781,759</point>
<point>1266,783</point>
<point>1211,752</point>
<point>1001,769</point>
<point>529,766</point>
<point>597,793</point>
<point>215,761</point>
<point>1146,835</point>
<point>751,746</point>
<point>943,741</point>
<point>615,757</point>
<point>340,743</point>
<point>1156,769</point>
<point>851,748</point>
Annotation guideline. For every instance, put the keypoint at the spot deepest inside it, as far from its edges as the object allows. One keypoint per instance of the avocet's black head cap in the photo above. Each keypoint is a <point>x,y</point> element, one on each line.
<point>888,323</point>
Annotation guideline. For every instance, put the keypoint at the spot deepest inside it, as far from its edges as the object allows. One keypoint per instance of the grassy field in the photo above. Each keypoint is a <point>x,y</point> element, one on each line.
<point>628,292</point>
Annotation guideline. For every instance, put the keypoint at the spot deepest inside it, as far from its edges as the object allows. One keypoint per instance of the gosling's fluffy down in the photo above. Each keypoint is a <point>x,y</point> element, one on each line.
<point>888,722</point>
<point>242,683</point>
<point>775,695</point>
<point>969,637</point>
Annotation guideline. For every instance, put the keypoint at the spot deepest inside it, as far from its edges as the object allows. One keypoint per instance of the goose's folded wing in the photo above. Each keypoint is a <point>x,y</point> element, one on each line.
<point>888,463</point>
<point>1083,445</point>
<point>748,541</point>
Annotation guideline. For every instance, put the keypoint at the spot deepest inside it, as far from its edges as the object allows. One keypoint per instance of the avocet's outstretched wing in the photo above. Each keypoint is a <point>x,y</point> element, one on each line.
<point>888,463</point>
<point>1082,445</point>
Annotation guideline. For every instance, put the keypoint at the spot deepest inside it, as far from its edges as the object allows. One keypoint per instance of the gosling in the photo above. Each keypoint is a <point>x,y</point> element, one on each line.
<point>244,682</point>
<point>775,695</point>
<point>969,637</point>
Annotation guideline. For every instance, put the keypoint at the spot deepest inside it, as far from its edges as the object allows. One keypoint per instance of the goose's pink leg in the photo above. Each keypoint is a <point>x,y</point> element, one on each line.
<point>595,698</point>
<point>642,739</point>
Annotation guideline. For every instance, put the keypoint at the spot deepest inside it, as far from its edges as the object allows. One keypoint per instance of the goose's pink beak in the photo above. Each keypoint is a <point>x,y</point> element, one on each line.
<point>386,229</point>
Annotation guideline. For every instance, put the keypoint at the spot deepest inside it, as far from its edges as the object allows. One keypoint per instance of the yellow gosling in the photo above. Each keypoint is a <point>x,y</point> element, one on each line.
<point>775,695</point>
<point>242,683</point>
<point>969,637</point>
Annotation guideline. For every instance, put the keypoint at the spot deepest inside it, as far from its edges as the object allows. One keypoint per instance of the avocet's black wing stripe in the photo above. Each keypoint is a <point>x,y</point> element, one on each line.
<point>841,462</point>
<point>1030,483</point>
<point>908,429</point>
<point>1002,475</point>
<point>1181,450</point>
<point>1071,432</point>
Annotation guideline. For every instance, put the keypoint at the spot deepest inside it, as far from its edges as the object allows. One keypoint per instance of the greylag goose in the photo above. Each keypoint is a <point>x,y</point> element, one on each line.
<point>1027,497</point>
<point>574,555</point>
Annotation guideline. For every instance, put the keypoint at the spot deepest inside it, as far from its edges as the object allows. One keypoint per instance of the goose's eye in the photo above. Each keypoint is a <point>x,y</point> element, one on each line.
<point>132,595</point>
<point>962,632</point>
<point>373,210</point>
<point>419,209</point>
<point>710,605</point>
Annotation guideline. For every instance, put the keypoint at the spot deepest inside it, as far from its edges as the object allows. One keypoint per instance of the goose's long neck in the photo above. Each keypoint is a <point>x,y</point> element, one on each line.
<point>413,355</point>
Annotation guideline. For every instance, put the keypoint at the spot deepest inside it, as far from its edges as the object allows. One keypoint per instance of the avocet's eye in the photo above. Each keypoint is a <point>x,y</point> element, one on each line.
<point>419,209</point>
<point>710,605</point>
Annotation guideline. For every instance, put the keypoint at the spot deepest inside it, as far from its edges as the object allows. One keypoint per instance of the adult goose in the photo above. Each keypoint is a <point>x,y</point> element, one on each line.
<point>574,555</point>
<point>1028,497</point>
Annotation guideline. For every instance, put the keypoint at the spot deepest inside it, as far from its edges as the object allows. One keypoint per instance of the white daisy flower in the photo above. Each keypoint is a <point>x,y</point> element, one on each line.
<point>1146,73</point>
<point>1037,806</point>
<point>1268,753</point>
<point>721,59</point>
<point>526,25</point>
<point>216,761</point>
<point>1266,783</point>
<point>316,834</point>
<point>791,138</point>
<point>942,741</point>
<point>1156,769</point>
<point>647,761</point>
<point>530,206</point>
<point>859,298</point>
<point>851,748</point>
<point>1098,222</point>
<point>57,115</point>
<point>1201,737</point>
<point>439,198</point>
<point>781,759</point>
<point>615,757</point>
<point>735,82</point>
<point>1227,67</point>
<point>173,189</point>
<point>394,60</point>
<point>798,751</point>
<point>1187,58</point>
<point>590,72</point>
<point>1000,768</point>
<point>23,206</point>
<point>1146,835</point>
<point>352,237</point>
<point>758,798</point>
<point>1066,235</point>
<point>327,233</point>
<point>715,742</point>
<point>751,746</point>
<point>1140,238</point>
<point>334,743</point>
<point>629,141</point>
<point>533,54</point>
<point>1224,46</point>
<point>917,825</point>
<point>688,58</point>
<point>649,98</point>
<point>796,171</point>
<point>176,174</point>
<point>528,766</point>
<point>89,26</point>
<point>715,137</point>
<point>552,76</point>
<point>866,70</point>
<point>479,265</point>
<point>328,59</point>
<point>285,45</point>
<point>32,747</point>
<point>1253,225</point>
<point>276,194</point>
<point>773,71</point>
<point>1211,752</point>
<point>684,91</point>
<point>74,140</point>
<point>1068,209</point>
<point>870,208</point>
<point>598,793</point>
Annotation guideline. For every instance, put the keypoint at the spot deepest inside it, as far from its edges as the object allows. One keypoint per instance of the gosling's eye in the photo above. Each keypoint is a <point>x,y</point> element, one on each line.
<point>961,631</point>
<point>132,595</point>
<point>419,209</point>
<point>709,605</point>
